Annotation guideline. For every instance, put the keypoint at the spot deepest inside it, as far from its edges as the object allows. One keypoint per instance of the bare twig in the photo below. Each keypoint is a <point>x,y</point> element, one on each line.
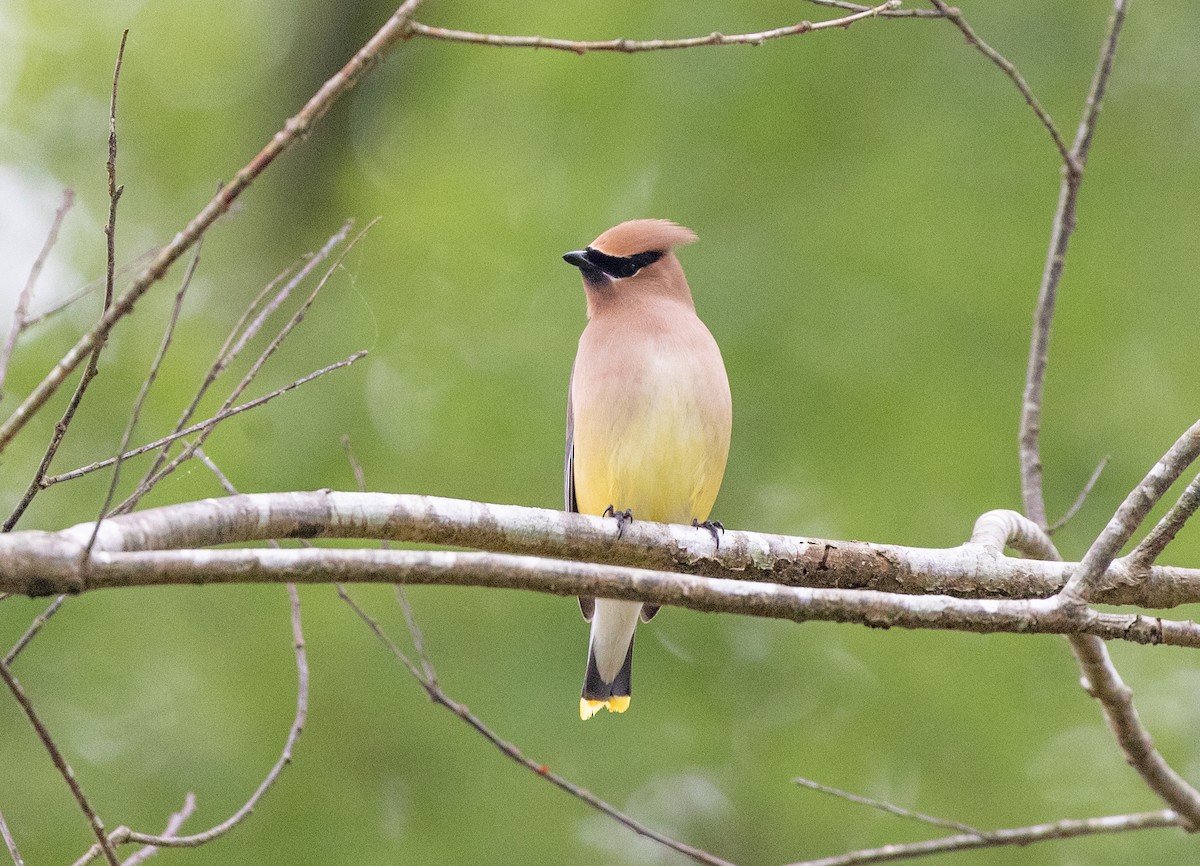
<point>889,13</point>
<point>1006,66</point>
<point>173,824</point>
<point>440,698</point>
<point>631,46</point>
<point>229,350</point>
<point>147,384</point>
<point>1164,532</point>
<point>114,191</point>
<point>206,424</point>
<point>60,763</point>
<point>1133,510</point>
<point>1081,498</point>
<point>1067,829</point>
<point>360,478</point>
<point>392,32</point>
<point>85,290</point>
<point>168,839</point>
<point>884,806</point>
<point>56,438</point>
<point>1032,493</point>
<point>89,373</point>
<point>152,478</point>
<point>10,843</point>
<point>21,313</point>
<point>34,627</point>
<point>1102,681</point>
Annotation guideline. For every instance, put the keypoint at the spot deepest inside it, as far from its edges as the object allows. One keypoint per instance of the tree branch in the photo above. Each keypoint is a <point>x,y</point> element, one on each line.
<point>1067,829</point>
<point>1102,681</point>
<point>1090,576</point>
<point>10,843</point>
<point>428,680</point>
<point>1167,528</point>
<point>35,563</point>
<point>973,570</point>
<point>60,763</point>
<point>21,313</point>
<point>632,46</point>
<point>1060,237</point>
<point>1008,68</point>
<point>297,126</point>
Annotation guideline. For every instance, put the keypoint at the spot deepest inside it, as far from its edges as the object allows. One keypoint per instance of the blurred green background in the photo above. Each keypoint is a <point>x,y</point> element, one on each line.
<point>873,207</point>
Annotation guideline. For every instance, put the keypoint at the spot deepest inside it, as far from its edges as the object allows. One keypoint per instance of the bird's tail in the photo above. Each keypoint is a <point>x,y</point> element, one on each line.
<point>597,693</point>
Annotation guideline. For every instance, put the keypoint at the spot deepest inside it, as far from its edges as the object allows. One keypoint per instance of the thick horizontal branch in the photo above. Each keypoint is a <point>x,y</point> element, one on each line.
<point>750,570</point>
<point>43,562</point>
<point>560,577</point>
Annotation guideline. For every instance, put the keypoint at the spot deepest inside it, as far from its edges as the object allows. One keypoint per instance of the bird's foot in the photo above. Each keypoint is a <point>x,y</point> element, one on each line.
<point>712,526</point>
<point>623,518</point>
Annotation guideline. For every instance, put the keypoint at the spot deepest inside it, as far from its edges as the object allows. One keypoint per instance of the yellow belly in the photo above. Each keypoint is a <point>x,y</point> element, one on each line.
<point>659,451</point>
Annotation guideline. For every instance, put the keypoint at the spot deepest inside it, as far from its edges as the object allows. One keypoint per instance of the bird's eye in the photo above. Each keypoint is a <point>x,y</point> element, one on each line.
<point>620,267</point>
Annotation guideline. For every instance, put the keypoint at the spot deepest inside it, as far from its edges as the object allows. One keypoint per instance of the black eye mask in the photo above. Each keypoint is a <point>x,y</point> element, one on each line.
<point>620,267</point>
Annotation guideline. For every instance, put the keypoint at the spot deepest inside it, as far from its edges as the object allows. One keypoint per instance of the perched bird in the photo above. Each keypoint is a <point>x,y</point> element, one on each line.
<point>648,418</point>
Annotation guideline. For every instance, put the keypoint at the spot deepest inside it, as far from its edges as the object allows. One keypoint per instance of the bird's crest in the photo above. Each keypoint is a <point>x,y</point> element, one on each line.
<point>639,236</point>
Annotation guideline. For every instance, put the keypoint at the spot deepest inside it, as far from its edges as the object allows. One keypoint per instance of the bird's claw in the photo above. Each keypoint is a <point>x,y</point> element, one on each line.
<point>623,518</point>
<point>712,526</point>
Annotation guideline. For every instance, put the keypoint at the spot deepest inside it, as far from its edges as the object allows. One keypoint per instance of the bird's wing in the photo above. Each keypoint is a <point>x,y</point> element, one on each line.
<point>569,460</point>
<point>587,606</point>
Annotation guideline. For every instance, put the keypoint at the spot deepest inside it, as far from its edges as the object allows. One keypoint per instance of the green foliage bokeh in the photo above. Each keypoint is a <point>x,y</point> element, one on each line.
<point>873,207</point>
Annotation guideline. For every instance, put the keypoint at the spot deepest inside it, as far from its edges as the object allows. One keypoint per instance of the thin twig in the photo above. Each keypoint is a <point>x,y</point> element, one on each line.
<point>60,763</point>
<point>151,479</point>
<point>1020,836</point>
<point>34,627</point>
<point>889,13</point>
<point>89,373</point>
<point>207,423</point>
<point>1081,498</point>
<point>21,313</point>
<point>418,636</point>
<point>884,806</point>
<point>631,46</point>
<point>1006,66</point>
<point>147,384</point>
<point>226,354</point>
<point>10,843</point>
<point>360,478</point>
<point>114,191</point>
<point>1032,494</point>
<point>298,126</point>
<point>1164,532</point>
<point>1088,577</point>
<point>439,697</point>
<point>85,290</point>
<point>168,839</point>
<point>172,829</point>
<point>56,438</point>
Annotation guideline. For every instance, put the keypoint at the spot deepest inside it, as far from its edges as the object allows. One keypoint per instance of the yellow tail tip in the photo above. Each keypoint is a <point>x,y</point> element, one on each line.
<point>615,704</point>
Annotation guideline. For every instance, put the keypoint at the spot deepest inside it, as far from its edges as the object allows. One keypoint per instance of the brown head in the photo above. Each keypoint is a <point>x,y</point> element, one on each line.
<point>633,262</point>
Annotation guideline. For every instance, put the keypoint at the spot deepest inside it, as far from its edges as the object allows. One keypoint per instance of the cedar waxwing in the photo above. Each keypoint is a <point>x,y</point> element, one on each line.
<point>648,418</point>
